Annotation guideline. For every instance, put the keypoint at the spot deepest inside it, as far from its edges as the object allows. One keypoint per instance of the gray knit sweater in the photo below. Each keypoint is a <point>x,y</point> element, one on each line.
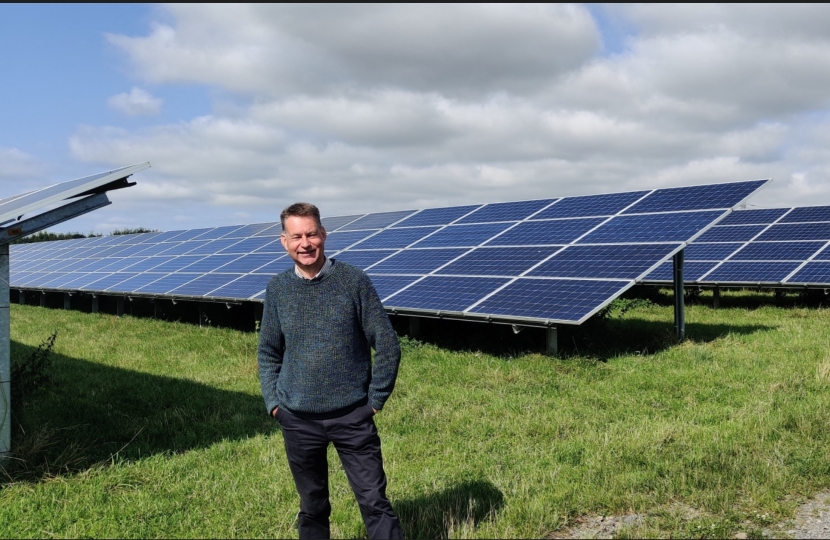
<point>315,339</point>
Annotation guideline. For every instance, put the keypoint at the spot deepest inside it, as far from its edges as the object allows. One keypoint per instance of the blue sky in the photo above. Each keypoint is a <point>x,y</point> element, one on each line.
<point>242,110</point>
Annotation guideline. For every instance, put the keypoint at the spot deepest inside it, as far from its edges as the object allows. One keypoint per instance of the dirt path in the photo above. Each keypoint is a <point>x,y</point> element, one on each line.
<point>812,521</point>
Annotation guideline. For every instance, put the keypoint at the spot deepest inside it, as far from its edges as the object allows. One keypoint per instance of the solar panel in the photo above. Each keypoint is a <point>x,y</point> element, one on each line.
<point>775,246</point>
<point>13,207</point>
<point>555,260</point>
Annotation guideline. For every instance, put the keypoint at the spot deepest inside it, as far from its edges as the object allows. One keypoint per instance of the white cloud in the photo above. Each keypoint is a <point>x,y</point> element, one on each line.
<point>16,164</point>
<point>137,103</point>
<point>367,108</point>
<point>281,49</point>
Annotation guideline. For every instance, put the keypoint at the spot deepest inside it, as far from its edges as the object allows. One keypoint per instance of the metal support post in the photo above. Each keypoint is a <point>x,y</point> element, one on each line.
<point>22,298</point>
<point>415,327</point>
<point>258,309</point>
<point>155,308</point>
<point>67,301</point>
<point>552,341</point>
<point>119,306</point>
<point>5,356</point>
<point>42,299</point>
<point>716,297</point>
<point>679,307</point>
<point>95,303</point>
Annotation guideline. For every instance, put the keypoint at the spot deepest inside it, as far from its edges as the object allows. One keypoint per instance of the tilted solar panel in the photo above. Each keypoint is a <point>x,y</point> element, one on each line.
<point>555,260</point>
<point>775,246</point>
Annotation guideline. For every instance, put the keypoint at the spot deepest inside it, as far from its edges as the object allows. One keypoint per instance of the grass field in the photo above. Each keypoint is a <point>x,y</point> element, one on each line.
<point>157,429</point>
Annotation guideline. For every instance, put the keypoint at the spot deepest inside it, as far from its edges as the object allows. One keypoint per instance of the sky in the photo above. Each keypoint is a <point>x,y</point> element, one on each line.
<point>242,110</point>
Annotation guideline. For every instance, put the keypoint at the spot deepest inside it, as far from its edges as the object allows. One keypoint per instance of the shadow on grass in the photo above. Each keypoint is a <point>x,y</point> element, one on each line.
<point>604,339</point>
<point>443,514</point>
<point>598,338</point>
<point>91,414</point>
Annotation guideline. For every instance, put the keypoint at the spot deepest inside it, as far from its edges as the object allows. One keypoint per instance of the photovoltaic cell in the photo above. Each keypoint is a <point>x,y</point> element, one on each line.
<point>273,231</point>
<point>276,266</point>
<point>437,216</point>
<point>167,283</point>
<point>177,263</point>
<point>443,293</point>
<point>376,221</point>
<point>248,245</point>
<point>341,240</point>
<point>120,264</point>
<point>606,262</point>
<point>812,273</point>
<point>732,233</point>
<point>797,231</point>
<point>107,281</point>
<point>754,217</point>
<point>462,235</point>
<point>274,248</point>
<point>209,264</point>
<point>513,211</point>
<point>591,205</point>
<point>82,279</point>
<point>244,287</point>
<point>395,238</point>
<point>363,259</point>
<point>807,214</point>
<point>53,277</point>
<point>204,284</point>
<point>554,299</point>
<point>751,272</point>
<point>148,264</point>
<point>333,223</point>
<point>181,248</point>
<point>247,263</point>
<point>497,261</point>
<point>417,261</point>
<point>136,282</point>
<point>247,231</point>
<point>190,234</point>
<point>386,285</point>
<point>710,252</point>
<point>823,255</point>
<point>214,246</point>
<point>219,232</point>
<point>777,251</point>
<point>696,197</point>
<point>534,233</point>
<point>675,227</point>
<point>155,249</point>
<point>691,271</point>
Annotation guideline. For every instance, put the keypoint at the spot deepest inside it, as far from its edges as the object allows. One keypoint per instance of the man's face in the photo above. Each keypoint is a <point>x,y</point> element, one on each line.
<point>303,239</point>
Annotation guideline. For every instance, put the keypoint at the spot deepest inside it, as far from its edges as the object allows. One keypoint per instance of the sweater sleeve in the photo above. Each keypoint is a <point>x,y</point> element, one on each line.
<point>271,348</point>
<point>382,338</point>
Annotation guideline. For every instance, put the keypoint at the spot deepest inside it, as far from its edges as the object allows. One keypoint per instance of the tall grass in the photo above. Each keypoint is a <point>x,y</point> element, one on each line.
<point>158,429</point>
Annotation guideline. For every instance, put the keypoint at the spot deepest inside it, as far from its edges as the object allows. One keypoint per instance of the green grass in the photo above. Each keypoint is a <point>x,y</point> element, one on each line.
<point>157,429</point>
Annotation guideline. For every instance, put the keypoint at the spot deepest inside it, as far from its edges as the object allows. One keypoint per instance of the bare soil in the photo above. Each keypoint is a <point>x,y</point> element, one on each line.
<point>812,521</point>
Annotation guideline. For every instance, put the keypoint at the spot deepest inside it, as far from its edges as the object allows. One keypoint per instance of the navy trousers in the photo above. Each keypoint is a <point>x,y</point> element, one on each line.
<point>356,440</point>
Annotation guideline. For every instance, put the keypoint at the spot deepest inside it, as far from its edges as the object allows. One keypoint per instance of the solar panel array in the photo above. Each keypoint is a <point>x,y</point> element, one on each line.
<point>551,260</point>
<point>776,246</point>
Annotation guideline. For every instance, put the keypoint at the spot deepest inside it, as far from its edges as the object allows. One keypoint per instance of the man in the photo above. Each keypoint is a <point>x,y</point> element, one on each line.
<point>319,322</point>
